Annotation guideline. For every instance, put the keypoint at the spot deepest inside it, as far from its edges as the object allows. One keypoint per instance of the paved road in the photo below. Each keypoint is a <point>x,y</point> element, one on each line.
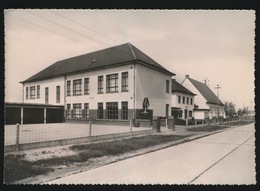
<point>223,158</point>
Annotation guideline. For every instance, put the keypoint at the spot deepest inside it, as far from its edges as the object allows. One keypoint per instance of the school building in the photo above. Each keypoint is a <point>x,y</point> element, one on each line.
<point>113,85</point>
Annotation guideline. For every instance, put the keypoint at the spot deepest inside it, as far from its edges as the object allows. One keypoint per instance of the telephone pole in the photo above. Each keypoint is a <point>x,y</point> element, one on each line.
<point>217,102</point>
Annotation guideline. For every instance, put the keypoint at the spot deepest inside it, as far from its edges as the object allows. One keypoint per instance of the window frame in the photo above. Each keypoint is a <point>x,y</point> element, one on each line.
<point>112,110</point>
<point>167,86</point>
<point>86,111</point>
<point>124,81</point>
<point>124,110</point>
<point>32,92</point>
<point>179,99</point>
<point>112,83</point>
<point>183,100</point>
<point>38,88</point>
<point>77,110</point>
<point>191,101</point>
<point>77,87</point>
<point>68,87</point>
<point>57,94</point>
<point>86,86</point>
<point>100,111</point>
<point>46,95</point>
<point>100,84</point>
<point>27,93</point>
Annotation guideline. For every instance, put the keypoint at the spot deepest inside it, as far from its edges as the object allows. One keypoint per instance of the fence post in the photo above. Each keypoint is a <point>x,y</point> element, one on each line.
<point>17,136</point>
<point>90,126</point>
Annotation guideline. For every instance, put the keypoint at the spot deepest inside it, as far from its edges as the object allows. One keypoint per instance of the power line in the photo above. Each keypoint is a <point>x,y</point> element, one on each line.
<point>84,26</point>
<point>69,29</point>
<point>50,30</point>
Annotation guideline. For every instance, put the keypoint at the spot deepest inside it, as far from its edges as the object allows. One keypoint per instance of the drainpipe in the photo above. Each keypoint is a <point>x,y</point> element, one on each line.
<point>134,91</point>
<point>64,115</point>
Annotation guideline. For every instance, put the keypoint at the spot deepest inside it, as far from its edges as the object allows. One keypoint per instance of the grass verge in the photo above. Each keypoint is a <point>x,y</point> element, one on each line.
<point>210,128</point>
<point>16,168</point>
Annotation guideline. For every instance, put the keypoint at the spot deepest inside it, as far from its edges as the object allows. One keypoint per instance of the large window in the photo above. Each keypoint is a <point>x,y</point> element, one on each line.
<point>112,83</point>
<point>76,110</point>
<point>179,99</point>
<point>57,94</point>
<point>38,92</point>
<point>47,95</point>
<point>32,92</point>
<point>77,87</point>
<point>86,86</point>
<point>68,111</point>
<point>68,88</point>
<point>111,110</point>
<point>27,93</point>
<point>100,84</point>
<point>86,110</point>
<point>100,111</point>
<point>124,110</point>
<point>167,86</point>
<point>124,83</point>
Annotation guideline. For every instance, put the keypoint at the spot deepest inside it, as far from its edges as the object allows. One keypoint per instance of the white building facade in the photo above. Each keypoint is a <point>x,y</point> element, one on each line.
<point>107,89</point>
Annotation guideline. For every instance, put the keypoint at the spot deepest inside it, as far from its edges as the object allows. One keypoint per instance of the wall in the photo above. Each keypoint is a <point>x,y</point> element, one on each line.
<point>93,98</point>
<point>152,84</point>
<point>51,84</point>
<point>214,109</point>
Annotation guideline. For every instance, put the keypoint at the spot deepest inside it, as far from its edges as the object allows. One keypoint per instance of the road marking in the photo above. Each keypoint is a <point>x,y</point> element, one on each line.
<point>220,160</point>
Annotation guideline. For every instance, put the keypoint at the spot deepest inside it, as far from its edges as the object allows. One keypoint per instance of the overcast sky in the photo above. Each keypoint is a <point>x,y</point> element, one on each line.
<point>217,45</point>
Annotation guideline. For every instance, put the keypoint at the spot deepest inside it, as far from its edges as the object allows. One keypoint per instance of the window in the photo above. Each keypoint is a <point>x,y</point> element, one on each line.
<point>183,100</point>
<point>112,83</point>
<point>69,88</point>
<point>32,92</point>
<point>27,93</point>
<point>167,86</point>
<point>112,110</point>
<point>46,95</point>
<point>179,99</point>
<point>191,101</point>
<point>68,111</point>
<point>180,113</point>
<point>190,113</point>
<point>76,110</point>
<point>86,86</point>
<point>86,110</point>
<point>57,94</point>
<point>167,110</point>
<point>100,84</point>
<point>38,92</point>
<point>124,110</point>
<point>124,83</point>
<point>187,100</point>
<point>77,87</point>
<point>100,111</point>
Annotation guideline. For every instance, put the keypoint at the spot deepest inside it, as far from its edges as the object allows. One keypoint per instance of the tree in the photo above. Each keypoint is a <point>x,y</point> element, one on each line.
<point>230,109</point>
<point>243,111</point>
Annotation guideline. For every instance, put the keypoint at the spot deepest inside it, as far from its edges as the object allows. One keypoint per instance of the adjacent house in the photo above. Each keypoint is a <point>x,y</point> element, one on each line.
<point>207,104</point>
<point>182,101</point>
<point>116,84</point>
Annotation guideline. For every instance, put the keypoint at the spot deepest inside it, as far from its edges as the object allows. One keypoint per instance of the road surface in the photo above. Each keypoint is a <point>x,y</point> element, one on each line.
<point>223,158</point>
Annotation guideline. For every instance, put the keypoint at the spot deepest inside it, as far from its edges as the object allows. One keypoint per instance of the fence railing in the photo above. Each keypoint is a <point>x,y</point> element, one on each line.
<point>19,138</point>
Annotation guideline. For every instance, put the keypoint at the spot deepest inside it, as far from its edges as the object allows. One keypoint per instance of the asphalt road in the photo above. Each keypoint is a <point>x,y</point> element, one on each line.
<point>223,158</point>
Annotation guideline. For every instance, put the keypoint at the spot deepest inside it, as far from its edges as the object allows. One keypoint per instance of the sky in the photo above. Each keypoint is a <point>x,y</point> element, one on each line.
<point>217,45</point>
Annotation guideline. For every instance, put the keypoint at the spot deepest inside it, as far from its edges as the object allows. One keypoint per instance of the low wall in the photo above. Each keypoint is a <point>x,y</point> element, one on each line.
<point>37,145</point>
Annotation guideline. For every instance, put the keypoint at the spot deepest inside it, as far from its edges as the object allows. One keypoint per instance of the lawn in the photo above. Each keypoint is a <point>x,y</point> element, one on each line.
<point>215,127</point>
<point>17,168</point>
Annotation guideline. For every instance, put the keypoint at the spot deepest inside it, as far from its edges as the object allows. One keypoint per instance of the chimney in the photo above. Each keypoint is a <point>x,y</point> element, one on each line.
<point>187,76</point>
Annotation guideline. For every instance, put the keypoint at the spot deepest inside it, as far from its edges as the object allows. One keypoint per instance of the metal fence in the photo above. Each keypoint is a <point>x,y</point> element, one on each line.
<point>61,133</point>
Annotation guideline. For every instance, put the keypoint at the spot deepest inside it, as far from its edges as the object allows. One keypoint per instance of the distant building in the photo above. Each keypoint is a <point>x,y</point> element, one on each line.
<point>206,103</point>
<point>182,101</point>
<point>106,85</point>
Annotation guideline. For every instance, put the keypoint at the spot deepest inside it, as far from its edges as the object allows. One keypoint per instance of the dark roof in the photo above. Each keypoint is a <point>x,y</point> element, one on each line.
<point>177,87</point>
<point>206,92</point>
<point>109,57</point>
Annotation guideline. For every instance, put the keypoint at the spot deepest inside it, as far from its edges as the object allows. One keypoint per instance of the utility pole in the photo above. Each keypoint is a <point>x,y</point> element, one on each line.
<point>217,102</point>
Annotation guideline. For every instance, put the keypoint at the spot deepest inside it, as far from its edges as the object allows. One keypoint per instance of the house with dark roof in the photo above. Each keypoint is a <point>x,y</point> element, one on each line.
<point>182,101</point>
<point>207,104</point>
<point>105,85</point>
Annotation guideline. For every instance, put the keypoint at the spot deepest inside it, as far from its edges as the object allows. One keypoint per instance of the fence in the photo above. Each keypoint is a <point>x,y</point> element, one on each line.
<point>24,137</point>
